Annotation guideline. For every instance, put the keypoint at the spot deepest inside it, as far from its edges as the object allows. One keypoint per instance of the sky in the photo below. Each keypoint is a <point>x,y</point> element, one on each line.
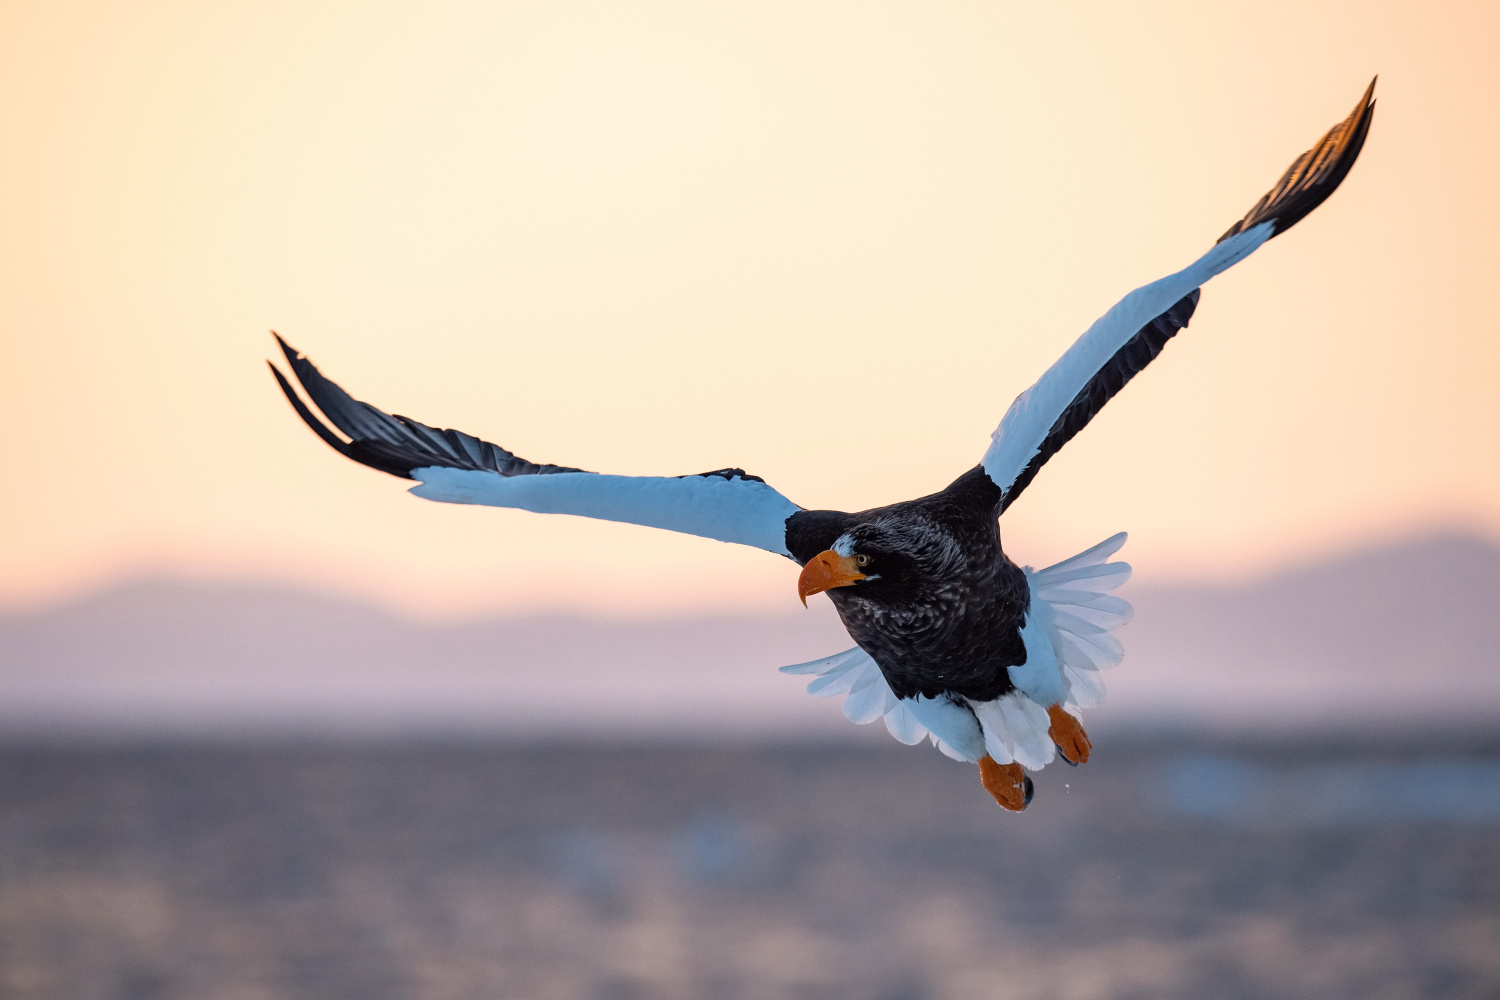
<point>827,243</point>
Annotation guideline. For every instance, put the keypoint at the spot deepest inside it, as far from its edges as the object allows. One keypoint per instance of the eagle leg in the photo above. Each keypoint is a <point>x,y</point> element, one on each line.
<point>1006,782</point>
<point>1066,731</point>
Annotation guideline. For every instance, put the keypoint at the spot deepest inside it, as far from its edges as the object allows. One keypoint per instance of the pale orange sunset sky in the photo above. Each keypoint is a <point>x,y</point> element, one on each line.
<point>825,242</point>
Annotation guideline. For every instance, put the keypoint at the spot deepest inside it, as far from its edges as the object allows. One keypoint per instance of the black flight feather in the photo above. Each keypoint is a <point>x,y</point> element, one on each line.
<point>394,444</point>
<point>319,428</point>
<point>1314,175</point>
<point>399,445</point>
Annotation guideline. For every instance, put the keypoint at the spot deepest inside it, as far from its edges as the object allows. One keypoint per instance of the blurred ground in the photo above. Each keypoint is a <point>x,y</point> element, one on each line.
<point>1361,866</point>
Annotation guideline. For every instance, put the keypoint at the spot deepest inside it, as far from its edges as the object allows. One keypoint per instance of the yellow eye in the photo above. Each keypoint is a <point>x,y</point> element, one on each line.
<point>861,560</point>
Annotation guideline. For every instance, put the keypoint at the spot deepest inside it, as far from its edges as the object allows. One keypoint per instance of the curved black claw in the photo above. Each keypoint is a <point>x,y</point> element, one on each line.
<point>1030,788</point>
<point>1064,756</point>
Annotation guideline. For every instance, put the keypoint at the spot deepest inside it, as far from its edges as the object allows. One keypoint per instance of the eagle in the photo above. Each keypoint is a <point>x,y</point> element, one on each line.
<point>953,642</point>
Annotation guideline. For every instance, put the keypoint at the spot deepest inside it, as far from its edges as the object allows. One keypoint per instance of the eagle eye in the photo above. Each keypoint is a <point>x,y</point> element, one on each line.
<point>861,560</point>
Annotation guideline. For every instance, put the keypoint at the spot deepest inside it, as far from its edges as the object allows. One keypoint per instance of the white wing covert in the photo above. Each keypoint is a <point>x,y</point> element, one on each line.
<point>1026,425</point>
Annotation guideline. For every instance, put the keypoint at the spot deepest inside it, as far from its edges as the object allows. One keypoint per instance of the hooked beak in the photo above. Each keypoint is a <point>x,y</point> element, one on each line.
<point>825,571</point>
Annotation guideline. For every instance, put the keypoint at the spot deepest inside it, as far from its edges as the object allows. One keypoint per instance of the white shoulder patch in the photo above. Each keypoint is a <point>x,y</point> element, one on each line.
<point>1025,425</point>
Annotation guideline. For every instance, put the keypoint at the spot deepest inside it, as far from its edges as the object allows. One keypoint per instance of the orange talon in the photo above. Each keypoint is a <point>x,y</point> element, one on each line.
<point>1006,782</point>
<point>1069,736</point>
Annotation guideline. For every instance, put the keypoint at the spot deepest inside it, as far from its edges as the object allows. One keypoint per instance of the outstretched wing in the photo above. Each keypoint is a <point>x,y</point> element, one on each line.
<point>454,467</point>
<point>1131,335</point>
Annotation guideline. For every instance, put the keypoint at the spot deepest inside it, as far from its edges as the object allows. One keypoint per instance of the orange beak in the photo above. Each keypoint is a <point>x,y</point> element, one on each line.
<point>825,571</point>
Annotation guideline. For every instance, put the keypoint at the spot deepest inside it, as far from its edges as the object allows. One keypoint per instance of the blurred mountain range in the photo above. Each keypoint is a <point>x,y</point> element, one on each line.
<point>1399,636</point>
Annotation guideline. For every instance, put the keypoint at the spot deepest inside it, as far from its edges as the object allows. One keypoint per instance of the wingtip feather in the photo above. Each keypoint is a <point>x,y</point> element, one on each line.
<point>1315,175</point>
<point>292,354</point>
<point>318,427</point>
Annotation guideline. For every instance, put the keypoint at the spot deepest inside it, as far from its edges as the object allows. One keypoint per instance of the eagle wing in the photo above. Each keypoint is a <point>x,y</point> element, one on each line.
<point>1130,336</point>
<point>453,467</point>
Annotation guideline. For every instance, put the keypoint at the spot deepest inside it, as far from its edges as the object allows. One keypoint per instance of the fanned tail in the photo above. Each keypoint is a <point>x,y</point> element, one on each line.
<point>1084,615</point>
<point>1075,611</point>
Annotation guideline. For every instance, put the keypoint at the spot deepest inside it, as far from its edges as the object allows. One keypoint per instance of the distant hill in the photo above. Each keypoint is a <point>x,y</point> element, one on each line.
<point>1395,636</point>
<point>1404,633</point>
<point>165,656</point>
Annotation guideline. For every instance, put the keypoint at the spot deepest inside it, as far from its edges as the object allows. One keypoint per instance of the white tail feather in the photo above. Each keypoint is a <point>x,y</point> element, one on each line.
<point>1099,579</point>
<point>825,664</point>
<point>953,725</point>
<point>1015,729</point>
<point>1072,623</point>
<point>1107,612</point>
<point>948,751</point>
<point>902,725</point>
<point>1085,615</point>
<point>834,682</point>
<point>1085,687</point>
<point>1091,556</point>
<point>869,700</point>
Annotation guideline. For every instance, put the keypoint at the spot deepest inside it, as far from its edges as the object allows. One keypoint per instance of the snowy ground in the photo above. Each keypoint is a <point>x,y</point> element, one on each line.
<point>1365,867</point>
